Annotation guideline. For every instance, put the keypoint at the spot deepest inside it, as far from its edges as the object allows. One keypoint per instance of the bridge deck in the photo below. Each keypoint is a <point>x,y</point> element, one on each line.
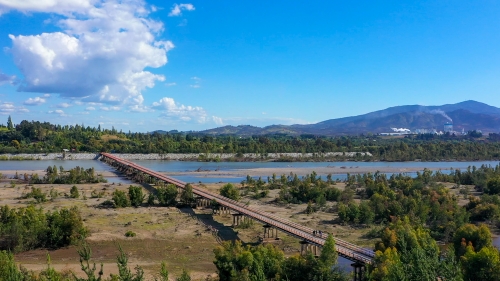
<point>344,248</point>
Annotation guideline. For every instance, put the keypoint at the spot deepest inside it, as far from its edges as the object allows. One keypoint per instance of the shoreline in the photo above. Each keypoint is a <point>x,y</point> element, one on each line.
<point>221,157</point>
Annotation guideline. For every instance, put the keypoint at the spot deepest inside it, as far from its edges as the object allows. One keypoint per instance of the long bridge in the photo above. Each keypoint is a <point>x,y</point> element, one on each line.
<point>310,241</point>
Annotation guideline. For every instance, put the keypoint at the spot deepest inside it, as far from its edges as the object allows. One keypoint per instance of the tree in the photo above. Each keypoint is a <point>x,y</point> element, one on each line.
<point>10,125</point>
<point>120,199</point>
<point>135,195</point>
<point>187,195</point>
<point>493,186</point>
<point>230,191</point>
<point>167,195</point>
<point>73,192</point>
<point>478,237</point>
<point>328,256</point>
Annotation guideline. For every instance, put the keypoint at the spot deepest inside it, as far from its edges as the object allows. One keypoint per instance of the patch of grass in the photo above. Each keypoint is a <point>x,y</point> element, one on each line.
<point>130,233</point>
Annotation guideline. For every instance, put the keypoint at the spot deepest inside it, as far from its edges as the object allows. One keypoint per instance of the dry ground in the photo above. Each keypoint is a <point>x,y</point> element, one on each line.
<point>183,238</point>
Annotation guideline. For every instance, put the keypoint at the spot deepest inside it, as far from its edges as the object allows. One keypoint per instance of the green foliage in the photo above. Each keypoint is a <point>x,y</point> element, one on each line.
<point>74,176</point>
<point>184,276</point>
<point>30,228</point>
<point>85,253</point>
<point>151,199</point>
<point>130,233</point>
<point>187,196</point>
<point>163,272</point>
<point>135,195</point>
<point>230,191</point>
<point>37,194</point>
<point>120,199</point>
<point>74,193</point>
<point>124,272</point>
<point>167,195</point>
<point>477,236</point>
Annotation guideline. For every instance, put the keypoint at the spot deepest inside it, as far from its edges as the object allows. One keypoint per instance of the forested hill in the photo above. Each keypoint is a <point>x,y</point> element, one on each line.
<point>37,137</point>
<point>467,115</point>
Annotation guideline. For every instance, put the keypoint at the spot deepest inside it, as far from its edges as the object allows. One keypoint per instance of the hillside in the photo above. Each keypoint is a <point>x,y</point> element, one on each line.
<point>467,115</point>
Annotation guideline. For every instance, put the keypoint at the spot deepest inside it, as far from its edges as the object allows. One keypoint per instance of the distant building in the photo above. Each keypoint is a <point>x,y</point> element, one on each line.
<point>448,127</point>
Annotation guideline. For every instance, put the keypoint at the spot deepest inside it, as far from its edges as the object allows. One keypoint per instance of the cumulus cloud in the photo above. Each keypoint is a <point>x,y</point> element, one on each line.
<point>110,108</point>
<point>59,112</point>
<point>217,120</point>
<point>90,108</point>
<point>48,6</point>
<point>34,101</point>
<point>10,108</point>
<point>171,109</point>
<point>101,54</point>
<point>178,8</point>
<point>63,105</point>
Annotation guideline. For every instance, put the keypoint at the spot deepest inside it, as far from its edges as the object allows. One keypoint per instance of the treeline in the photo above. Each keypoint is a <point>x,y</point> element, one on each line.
<point>30,228</point>
<point>37,137</point>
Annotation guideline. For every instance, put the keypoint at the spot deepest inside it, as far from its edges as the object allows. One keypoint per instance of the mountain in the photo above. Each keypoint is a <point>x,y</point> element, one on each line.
<point>467,115</point>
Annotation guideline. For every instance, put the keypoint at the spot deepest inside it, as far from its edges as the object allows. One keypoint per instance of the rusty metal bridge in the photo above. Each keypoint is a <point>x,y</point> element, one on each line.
<point>360,256</point>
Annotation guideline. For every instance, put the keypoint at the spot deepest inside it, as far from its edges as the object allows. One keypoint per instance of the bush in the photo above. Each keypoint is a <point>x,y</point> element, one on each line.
<point>73,193</point>
<point>120,199</point>
<point>130,233</point>
<point>167,195</point>
<point>230,191</point>
<point>135,195</point>
<point>37,194</point>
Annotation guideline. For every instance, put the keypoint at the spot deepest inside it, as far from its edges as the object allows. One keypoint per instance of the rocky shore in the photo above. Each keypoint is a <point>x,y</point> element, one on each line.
<point>186,157</point>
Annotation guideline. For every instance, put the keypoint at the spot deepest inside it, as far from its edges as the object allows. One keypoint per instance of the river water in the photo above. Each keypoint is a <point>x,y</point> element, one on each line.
<point>190,166</point>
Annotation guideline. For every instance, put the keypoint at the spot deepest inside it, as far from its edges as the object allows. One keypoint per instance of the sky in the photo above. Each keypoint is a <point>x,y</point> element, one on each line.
<point>161,65</point>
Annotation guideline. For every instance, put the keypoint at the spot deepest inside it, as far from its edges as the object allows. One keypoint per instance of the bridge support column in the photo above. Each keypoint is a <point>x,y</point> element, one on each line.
<point>358,271</point>
<point>304,247</point>
<point>236,219</point>
<point>267,231</point>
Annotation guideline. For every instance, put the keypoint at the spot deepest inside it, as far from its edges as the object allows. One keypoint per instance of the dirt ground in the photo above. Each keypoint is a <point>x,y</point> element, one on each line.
<point>183,238</point>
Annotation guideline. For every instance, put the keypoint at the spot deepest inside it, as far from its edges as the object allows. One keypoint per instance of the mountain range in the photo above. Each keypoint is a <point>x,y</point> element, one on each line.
<point>467,115</point>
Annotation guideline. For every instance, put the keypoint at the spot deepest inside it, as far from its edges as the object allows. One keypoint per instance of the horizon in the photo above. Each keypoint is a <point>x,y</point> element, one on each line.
<point>150,65</point>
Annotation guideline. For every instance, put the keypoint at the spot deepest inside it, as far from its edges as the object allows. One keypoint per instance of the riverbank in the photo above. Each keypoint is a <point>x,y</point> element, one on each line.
<point>204,157</point>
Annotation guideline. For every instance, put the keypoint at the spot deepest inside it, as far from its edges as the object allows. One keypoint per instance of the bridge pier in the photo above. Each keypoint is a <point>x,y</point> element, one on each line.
<point>236,219</point>
<point>358,271</point>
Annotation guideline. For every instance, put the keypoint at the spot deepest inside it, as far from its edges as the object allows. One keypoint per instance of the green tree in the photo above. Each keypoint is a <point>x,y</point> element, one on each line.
<point>230,191</point>
<point>121,199</point>
<point>10,125</point>
<point>167,195</point>
<point>135,195</point>
<point>187,195</point>
<point>73,192</point>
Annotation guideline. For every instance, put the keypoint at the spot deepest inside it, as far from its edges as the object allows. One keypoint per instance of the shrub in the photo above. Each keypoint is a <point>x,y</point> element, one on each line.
<point>230,191</point>
<point>73,193</point>
<point>167,195</point>
<point>130,233</point>
<point>120,199</point>
<point>135,195</point>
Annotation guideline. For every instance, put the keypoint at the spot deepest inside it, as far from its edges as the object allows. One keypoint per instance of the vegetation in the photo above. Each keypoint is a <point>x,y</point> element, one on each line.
<point>76,175</point>
<point>36,137</point>
<point>30,228</point>
<point>237,262</point>
<point>230,191</point>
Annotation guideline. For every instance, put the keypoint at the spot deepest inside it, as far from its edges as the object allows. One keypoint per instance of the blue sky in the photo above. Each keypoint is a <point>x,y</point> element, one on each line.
<point>148,65</point>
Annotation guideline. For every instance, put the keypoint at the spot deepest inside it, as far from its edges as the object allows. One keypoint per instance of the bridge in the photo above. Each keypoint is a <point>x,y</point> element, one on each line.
<point>358,255</point>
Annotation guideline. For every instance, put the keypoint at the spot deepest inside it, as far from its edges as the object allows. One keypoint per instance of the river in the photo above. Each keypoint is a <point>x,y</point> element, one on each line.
<point>189,167</point>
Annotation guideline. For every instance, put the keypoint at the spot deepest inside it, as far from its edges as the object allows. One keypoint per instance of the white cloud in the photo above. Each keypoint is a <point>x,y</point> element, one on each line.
<point>101,54</point>
<point>197,81</point>
<point>139,108</point>
<point>170,84</point>
<point>217,120</point>
<point>34,101</point>
<point>195,86</point>
<point>63,105</point>
<point>178,8</point>
<point>47,6</point>
<point>46,95</point>
<point>59,112</point>
<point>171,109</point>
<point>10,108</point>
<point>110,108</point>
<point>90,108</point>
